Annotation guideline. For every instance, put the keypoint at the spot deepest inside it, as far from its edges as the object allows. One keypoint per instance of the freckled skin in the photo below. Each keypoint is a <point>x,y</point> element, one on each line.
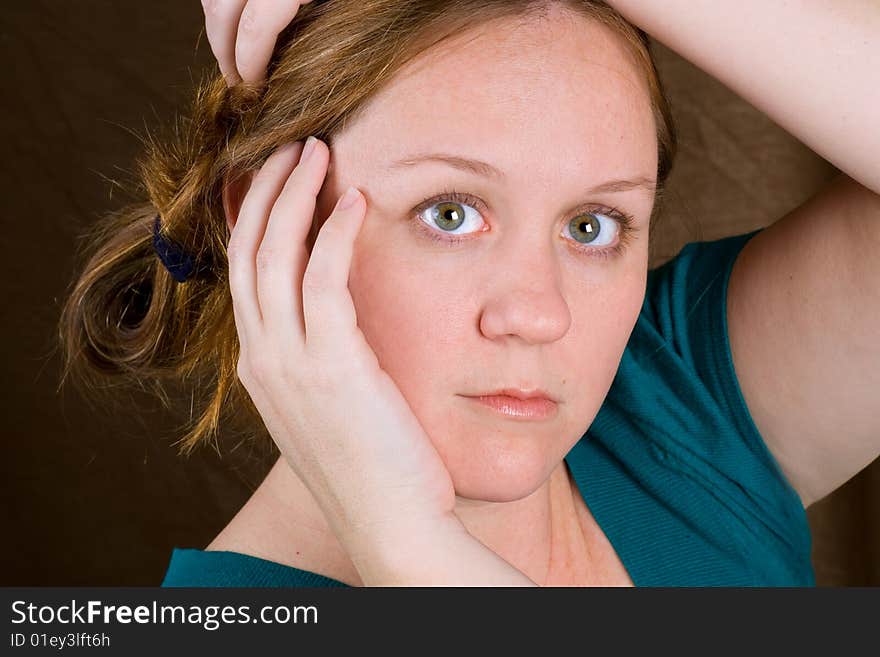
<point>559,105</point>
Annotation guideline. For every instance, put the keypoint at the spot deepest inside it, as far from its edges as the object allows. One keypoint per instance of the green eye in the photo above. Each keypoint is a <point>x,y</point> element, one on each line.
<point>585,228</point>
<point>449,215</point>
<point>439,216</point>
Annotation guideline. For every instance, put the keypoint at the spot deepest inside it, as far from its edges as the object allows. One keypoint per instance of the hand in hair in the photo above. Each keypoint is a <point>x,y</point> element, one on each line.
<point>338,419</point>
<point>242,34</point>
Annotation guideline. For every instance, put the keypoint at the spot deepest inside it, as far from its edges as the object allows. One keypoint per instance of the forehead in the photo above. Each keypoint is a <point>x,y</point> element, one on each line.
<point>559,88</point>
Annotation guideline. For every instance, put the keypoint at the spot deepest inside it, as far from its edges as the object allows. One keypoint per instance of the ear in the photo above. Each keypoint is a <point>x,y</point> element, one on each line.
<point>235,186</point>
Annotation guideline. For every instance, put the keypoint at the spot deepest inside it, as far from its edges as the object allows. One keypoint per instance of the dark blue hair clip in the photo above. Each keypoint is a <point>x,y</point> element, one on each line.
<point>177,261</point>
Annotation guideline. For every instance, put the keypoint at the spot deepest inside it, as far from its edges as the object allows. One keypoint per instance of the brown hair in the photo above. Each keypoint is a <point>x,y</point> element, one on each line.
<point>125,318</point>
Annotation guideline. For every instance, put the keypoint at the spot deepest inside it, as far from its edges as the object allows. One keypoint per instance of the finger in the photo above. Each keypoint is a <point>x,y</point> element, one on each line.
<point>328,310</point>
<point>282,255</point>
<point>258,29</point>
<point>247,235</point>
<point>221,24</point>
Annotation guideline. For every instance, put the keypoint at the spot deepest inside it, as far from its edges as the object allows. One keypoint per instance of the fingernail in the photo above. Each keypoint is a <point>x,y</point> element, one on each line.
<point>349,198</point>
<point>308,148</point>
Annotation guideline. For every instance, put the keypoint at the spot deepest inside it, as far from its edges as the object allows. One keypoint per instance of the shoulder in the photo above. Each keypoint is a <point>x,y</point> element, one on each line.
<point>678,389</point>
<point>282,523</point>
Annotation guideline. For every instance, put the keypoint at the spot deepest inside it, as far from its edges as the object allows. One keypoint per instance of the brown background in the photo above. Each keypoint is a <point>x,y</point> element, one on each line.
<point>98,496</point>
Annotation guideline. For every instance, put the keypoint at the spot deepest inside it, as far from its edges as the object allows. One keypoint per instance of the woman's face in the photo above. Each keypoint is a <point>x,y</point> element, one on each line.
<point>523,300</point>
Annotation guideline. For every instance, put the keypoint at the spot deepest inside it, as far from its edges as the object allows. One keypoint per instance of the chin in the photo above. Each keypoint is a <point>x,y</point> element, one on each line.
<point>500,477</point>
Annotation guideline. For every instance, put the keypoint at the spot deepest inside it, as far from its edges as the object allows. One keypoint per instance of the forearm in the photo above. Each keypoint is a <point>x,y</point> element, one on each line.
<point>813,66</point>
<point>439,553</point>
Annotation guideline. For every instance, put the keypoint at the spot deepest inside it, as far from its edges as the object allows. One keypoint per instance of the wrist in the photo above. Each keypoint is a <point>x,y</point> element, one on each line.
<point>406,551</point>
<point>399,533</point>
<point>436,551</point>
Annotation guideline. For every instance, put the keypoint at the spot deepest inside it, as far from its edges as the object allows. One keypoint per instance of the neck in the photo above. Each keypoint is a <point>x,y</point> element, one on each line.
<point>540,534</point>
<point>536,534</point>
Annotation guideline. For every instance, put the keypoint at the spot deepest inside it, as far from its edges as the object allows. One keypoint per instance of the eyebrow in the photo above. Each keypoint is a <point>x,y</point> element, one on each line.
<point>486,170</point>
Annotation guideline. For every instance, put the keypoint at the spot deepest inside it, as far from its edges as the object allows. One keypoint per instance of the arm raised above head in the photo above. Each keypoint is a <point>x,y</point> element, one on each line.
<point>803,299</point>
<point>803,317</point>
<point>813,67</point>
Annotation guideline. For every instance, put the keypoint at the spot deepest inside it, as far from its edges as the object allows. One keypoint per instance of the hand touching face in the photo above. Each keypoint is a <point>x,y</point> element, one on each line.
<point>338,419</point>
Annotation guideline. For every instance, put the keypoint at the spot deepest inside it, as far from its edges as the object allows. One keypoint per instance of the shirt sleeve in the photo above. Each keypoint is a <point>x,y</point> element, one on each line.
<point>686,304</point>
<point>191,567</point>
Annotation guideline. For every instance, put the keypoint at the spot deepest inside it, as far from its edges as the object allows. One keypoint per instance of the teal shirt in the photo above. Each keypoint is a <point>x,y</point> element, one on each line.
<point>672,468</point>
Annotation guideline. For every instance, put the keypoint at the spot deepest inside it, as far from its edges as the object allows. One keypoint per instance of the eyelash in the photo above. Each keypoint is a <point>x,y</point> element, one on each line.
<point>624,220</point>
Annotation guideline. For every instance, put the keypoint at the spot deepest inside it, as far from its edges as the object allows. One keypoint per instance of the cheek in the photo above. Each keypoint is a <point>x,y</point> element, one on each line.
<point>603,317</point>
<point>602,325</point>
<point>406,317</point>
<point>603,322</point>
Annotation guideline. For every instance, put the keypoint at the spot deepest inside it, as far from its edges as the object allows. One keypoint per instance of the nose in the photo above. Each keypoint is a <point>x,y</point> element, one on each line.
<point>525,297</point>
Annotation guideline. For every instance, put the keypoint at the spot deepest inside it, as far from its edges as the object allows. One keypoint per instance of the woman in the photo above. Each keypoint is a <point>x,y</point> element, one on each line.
<point>508,167</point>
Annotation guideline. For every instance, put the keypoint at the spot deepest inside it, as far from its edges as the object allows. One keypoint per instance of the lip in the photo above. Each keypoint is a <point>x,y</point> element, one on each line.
<point>518,393</point>
<point>534,405</point>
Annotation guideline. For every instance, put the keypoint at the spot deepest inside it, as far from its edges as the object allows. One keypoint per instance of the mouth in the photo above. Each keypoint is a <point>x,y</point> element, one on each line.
<point>518,404</point>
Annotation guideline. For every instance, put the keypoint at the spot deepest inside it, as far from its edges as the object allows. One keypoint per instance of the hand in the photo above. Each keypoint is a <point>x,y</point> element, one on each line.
<point>338,419</point>
<point>242,34</point>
